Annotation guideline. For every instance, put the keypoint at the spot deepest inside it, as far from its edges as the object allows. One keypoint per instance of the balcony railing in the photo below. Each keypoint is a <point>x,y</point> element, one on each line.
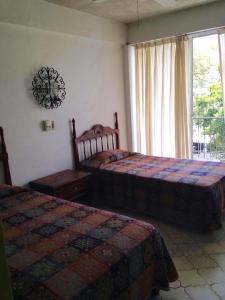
<point>208,138</point>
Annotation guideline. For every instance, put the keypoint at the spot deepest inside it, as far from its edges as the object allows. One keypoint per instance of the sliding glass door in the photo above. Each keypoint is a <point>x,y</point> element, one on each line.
<point>177,90</point>
<point>208,127</point>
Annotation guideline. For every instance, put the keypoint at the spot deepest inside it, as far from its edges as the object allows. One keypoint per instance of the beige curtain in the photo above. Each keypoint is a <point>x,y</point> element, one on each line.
<point>162,114</point>
<point>221,35</point>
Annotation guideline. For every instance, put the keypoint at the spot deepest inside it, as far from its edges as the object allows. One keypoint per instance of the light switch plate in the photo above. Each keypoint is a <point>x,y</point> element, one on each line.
<point>48,125</point>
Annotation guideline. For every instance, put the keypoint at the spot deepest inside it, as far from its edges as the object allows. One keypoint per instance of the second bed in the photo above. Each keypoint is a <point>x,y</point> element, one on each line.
<point>185,192</point>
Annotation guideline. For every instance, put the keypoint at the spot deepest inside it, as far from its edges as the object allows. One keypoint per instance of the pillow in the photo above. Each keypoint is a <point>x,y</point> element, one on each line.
<point>8,190</point>
<point>96,160</point>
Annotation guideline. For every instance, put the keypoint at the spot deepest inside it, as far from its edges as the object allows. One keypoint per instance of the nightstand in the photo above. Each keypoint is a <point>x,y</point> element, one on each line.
<point>68,184</point>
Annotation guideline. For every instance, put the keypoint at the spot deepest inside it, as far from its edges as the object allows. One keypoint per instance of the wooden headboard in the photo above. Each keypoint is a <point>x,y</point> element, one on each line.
<point>97,139</point>
<point>4,158</point>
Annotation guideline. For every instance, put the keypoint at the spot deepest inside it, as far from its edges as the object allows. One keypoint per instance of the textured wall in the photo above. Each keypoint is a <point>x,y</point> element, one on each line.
<point>189,20</point>
<point>90,59</point>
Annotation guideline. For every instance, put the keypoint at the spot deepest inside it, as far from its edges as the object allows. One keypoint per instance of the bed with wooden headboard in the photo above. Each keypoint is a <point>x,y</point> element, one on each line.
<point>4,158</point>
<point>97,139</point>
<point>58,249</point>
<point>185,192</point>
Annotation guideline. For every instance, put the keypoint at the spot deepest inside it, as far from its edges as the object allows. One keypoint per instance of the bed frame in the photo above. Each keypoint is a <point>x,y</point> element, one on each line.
<point>4,158</point>
<point>97,139</point>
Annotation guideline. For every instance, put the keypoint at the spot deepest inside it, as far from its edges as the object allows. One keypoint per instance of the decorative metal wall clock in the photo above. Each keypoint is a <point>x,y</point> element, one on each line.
<point>48,88</point>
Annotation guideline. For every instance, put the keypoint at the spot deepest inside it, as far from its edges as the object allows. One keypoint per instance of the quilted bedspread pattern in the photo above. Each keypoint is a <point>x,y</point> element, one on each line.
<point>182,191</point>
<point>57,249</point>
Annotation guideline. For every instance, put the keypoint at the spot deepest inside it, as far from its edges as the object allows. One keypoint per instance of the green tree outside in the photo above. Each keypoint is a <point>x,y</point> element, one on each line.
<point>208,100</point>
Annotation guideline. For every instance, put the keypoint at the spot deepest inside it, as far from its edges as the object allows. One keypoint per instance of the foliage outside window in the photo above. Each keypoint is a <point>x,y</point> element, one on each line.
<point>208,111</point>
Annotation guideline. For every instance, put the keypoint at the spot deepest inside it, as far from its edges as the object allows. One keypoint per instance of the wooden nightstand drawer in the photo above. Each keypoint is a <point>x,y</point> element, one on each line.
<point>68,184</point>
<point>72,190</point>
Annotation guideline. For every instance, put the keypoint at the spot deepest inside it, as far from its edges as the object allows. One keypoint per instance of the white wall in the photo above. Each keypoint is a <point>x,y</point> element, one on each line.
<point>186,21</point>
<point>87,52</point>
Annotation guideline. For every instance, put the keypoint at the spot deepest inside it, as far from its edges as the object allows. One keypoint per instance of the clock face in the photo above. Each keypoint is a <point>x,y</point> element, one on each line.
<point>48,88</point>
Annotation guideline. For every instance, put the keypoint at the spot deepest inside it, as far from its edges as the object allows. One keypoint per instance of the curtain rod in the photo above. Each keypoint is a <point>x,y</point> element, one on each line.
<point>178,35</point>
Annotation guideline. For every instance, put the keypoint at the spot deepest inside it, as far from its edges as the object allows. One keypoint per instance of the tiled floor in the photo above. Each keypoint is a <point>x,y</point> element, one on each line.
<point>199,259</point>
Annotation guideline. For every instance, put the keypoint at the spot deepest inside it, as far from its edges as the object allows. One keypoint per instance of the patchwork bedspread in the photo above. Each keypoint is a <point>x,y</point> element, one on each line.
<point>57,249</point>
<point>186,192</point>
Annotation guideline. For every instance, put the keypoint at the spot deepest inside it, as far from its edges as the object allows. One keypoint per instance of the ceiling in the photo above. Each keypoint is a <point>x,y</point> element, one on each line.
<point>126,10</point>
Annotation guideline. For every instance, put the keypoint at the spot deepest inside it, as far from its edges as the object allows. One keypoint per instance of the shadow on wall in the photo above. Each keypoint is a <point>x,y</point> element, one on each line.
<point>28,85</point>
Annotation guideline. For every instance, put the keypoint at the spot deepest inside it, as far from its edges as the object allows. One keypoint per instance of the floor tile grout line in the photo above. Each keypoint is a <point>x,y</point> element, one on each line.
<point>214,292</point>
<point>211,287</point>
<point>188,294</point>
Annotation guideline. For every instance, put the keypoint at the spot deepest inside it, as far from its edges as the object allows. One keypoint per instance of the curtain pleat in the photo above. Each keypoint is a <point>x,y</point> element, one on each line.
<point>221,35</point>
<point>161,98</point>
<point>181,99</point>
